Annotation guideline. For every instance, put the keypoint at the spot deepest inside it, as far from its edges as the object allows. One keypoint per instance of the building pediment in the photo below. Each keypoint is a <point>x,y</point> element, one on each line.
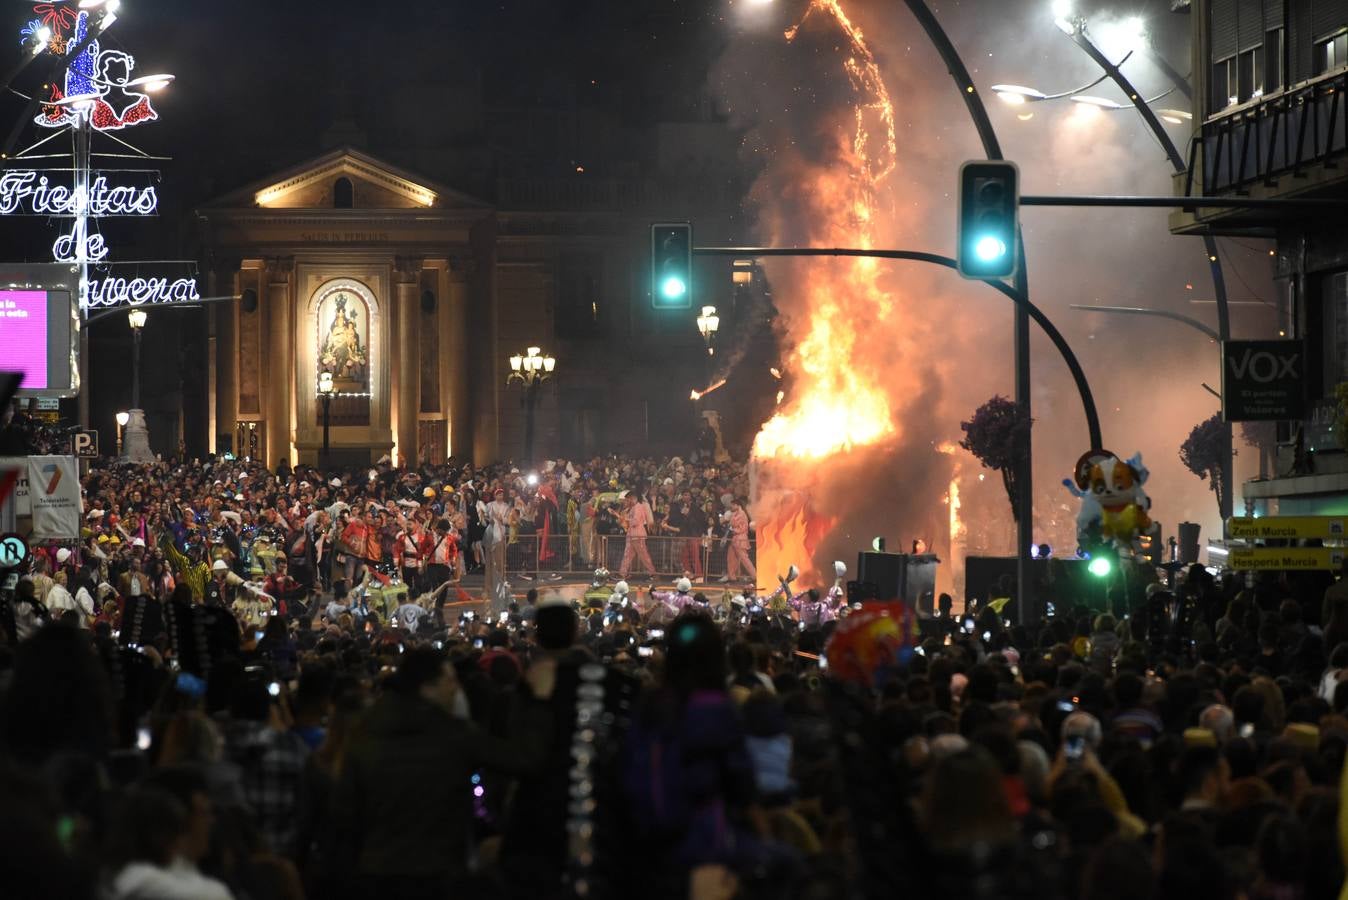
<point>348,179</point>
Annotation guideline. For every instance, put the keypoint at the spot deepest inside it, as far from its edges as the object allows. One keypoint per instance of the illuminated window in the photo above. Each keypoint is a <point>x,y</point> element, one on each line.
<point>1250,74</point>
<point>1331,53</point>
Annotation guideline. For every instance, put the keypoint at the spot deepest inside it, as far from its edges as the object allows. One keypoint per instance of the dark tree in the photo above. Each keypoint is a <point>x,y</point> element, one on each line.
<point>1204,454</point>
<point>994,436</point>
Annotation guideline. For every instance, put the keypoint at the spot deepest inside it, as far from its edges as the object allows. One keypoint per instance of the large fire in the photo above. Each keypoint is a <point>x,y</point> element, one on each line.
<point>837,405</point>
<point>838,402</point>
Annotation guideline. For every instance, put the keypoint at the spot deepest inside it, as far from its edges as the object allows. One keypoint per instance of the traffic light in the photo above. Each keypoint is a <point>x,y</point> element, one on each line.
<point>988,227</point>
<point>672,266</point>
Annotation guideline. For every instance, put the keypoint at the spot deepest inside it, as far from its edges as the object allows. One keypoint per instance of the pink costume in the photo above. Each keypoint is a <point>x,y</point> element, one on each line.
<point>676,602</point>
<point>738,555</point>
<point>639,518</point>
<point>815,613</point>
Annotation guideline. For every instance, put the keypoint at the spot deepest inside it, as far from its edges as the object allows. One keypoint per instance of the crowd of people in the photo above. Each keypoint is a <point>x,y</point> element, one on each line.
<point>256,541</point>
<point>161,737</point>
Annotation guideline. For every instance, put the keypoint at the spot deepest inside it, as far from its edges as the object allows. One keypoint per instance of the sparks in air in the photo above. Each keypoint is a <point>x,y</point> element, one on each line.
<point>698,395</point>
<point>837,405</point>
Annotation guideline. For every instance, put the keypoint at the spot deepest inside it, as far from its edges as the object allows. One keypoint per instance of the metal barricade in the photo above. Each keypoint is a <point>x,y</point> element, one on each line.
<point>529,553</point>
<point>522,554</point>
<point>672,556</point>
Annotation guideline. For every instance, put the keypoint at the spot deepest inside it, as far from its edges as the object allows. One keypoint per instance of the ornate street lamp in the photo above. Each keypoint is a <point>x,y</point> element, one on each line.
<point>530,370</point>
<point>136,318</point>
<point>325,390</point>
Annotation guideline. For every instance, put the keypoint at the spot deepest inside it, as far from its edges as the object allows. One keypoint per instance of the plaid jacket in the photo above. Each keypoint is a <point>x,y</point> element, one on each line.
<point>272,763</point>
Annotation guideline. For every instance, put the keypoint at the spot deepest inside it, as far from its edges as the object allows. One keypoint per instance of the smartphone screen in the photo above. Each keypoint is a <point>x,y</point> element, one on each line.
<point>1075,747</point>
<point>142,738</point>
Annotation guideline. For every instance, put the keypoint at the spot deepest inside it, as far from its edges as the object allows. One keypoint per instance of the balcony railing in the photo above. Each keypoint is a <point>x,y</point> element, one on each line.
<point>1277,137</point>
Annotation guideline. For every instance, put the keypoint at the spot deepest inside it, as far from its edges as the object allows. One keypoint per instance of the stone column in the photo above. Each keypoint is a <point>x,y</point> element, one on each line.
<point>224,386</point>
<point>280,369</point>
<point>406,381</point>
<point>458,404</point>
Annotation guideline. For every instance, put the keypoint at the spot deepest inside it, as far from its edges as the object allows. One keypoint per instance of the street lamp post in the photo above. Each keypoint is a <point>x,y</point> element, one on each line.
<point>136,434</point>
<point>530,370</point>
<point>707,325</point>
<point>122,419</point>
<point>136,318</point>
<point>325,390</point>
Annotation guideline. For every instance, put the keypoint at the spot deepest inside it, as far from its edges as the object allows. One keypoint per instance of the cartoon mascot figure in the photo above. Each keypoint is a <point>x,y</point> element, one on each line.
<point>1116,487</point>
<point>1113,505</point>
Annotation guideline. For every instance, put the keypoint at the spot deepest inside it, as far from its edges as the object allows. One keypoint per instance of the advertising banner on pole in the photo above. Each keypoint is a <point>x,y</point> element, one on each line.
<point>54,494</point>
<point>16,501</point>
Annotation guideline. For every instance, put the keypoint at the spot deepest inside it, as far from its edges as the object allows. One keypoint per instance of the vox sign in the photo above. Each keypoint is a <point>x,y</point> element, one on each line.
<point>1263,380</point>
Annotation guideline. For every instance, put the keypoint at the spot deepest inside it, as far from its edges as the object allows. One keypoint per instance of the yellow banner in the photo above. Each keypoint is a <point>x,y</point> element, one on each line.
<point>1286,527</point>
<point>1279,558</point>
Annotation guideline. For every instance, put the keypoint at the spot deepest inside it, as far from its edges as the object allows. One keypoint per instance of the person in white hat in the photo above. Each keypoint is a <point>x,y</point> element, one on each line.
<point>815,610</point>
<point>220,588</point>
<point>681,599</point>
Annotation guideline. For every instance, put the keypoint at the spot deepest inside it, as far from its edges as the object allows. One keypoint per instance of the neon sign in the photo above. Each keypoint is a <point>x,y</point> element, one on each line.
<point>100,92</point>
<point>141,291</point>
<point>25,192</point>
<point>105,78</point>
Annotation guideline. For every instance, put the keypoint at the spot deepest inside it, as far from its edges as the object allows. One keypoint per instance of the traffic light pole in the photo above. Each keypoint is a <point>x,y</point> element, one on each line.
<point>1024,499</point>
<point>1012,293</point>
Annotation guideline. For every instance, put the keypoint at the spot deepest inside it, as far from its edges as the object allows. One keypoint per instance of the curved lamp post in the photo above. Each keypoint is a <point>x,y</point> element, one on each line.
<point>1075,27</point>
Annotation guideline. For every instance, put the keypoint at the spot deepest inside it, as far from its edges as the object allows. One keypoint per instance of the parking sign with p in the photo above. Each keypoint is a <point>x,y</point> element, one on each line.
<point>86,444</point>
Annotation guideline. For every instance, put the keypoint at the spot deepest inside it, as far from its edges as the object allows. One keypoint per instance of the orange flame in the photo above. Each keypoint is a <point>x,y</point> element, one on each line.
<point>789,537</point>
<point>836,405</point>
<point>698,395</point>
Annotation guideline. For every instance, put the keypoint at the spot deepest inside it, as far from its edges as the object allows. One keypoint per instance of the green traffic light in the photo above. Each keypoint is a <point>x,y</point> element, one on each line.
<point>989,249</point>
<point>1100,567</point>
<point>673,287</point>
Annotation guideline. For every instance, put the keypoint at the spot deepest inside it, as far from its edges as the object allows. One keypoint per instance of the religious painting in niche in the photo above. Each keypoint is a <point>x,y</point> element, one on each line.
<point>344,341</point>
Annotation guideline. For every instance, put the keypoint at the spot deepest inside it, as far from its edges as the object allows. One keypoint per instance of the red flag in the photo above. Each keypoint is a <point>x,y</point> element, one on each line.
<point>8,478</point>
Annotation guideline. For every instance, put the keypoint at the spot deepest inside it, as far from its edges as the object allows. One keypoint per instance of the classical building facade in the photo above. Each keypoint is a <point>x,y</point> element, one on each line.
<point>349,266</point>
<point>415,296</point>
